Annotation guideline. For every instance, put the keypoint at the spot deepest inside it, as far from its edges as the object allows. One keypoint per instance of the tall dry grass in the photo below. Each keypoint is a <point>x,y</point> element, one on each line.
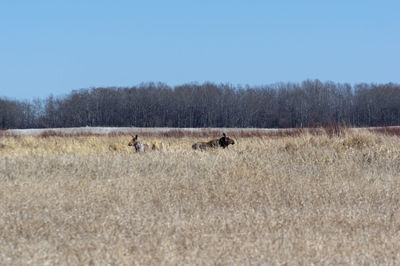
<point>310,198</point>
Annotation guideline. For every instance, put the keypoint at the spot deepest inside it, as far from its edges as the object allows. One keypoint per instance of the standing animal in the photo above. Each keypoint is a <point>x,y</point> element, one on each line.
<point>139,146</point>
<point>215,143</point>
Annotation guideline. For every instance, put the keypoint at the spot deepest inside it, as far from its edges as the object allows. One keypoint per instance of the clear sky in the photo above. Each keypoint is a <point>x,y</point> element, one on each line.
<point>55,46</point>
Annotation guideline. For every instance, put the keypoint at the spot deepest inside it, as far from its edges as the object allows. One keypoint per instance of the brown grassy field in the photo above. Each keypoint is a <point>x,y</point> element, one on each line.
<point>328,198</point>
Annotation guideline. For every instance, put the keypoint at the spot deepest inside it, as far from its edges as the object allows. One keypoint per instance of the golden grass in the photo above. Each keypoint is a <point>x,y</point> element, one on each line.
<point>292,200</point>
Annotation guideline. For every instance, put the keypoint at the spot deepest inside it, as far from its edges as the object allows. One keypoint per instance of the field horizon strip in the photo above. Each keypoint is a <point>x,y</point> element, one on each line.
<point>180,132</point>
<point>323,196</point>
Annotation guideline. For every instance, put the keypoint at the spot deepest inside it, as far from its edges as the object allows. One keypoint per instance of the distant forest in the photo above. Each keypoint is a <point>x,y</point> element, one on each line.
<point>311,103</point>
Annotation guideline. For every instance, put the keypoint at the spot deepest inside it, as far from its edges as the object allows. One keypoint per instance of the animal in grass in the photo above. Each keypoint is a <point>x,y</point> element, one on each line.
<point>215,143</point>
<point>139,146</point>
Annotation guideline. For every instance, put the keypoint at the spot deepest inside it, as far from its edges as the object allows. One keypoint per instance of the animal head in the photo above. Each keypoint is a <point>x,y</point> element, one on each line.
<point>139,146</point>
<point>133,140</point>
<point>225,141</point>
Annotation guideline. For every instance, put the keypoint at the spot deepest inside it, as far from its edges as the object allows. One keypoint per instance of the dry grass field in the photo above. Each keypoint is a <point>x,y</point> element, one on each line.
<point>282,199</point>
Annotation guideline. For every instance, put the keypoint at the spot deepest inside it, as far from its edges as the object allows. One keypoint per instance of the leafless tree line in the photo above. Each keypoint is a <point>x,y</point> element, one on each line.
<point>311,103</point>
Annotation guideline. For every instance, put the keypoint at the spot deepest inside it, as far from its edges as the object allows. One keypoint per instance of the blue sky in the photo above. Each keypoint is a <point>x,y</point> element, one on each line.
<point>54,47</point>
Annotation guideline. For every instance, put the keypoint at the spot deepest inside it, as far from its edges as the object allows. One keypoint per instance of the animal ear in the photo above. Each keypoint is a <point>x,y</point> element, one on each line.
<point>135,138</point>
<point>223,134</point>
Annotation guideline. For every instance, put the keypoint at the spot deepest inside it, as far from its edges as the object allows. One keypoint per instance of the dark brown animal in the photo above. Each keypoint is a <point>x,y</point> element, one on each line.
<point>215,143</point>
<point>225,141</point>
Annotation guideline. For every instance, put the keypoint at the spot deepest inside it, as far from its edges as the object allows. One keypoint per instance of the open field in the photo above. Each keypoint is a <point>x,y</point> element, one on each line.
<point>290,198</point>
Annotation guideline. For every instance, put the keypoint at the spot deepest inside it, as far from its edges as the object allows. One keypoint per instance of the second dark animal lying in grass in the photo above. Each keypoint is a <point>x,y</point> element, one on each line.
<point>215,143</point>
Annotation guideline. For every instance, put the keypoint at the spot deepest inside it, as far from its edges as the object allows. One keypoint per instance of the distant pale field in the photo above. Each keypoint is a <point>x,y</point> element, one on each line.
<point>124,130</point>
<point>265,200</point>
